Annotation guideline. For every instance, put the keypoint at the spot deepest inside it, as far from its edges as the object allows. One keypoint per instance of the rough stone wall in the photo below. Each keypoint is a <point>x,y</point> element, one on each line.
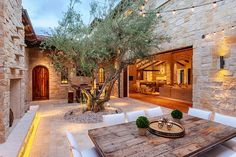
<point>12,62</point>
<point>56,89</point>
<point>213,89</point>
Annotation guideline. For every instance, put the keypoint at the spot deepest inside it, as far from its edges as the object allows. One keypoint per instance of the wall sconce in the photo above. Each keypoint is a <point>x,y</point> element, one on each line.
<point>222,62</point>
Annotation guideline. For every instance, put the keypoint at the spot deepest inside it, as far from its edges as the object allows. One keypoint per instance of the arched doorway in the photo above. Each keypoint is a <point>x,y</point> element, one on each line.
<point>40,83</point>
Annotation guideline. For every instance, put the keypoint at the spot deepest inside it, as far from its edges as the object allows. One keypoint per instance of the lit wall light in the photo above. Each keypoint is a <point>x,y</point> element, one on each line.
<point>222,62</point>
<point>142,7</point>
<point>140,12</point>
<point>174,12</point>
<point>214,4</point>
<point>192,9</point>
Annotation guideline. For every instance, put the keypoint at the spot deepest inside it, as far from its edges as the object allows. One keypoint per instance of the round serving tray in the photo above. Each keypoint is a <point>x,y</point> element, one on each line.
<point>176,131</point>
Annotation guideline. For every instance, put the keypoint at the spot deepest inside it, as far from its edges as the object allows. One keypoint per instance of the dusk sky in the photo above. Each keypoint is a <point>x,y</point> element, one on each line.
<point>46,13</point>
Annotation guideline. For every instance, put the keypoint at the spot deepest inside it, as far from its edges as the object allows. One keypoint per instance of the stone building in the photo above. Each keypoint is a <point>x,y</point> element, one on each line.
<point>210,31</point>
<point>13,65</point>
<point>27,74</point>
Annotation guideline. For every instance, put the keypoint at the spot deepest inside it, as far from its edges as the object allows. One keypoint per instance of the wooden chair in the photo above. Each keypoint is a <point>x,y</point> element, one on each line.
<point>132,116</point>
<point>230,121</point>
<point>75,150</point>
<point>199,113</point>
<point>154,112</point>
<point>114,119</point>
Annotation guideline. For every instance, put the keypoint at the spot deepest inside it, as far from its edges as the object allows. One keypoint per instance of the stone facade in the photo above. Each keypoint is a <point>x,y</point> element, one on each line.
<point>38,58</point>
<point>57,90</point>
<point>13,64</point>
<point>213,88</point>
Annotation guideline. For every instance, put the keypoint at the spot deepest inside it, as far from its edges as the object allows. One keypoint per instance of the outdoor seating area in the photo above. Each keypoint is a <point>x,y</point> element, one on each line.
<point>216,147</point>
<point>117,78</point>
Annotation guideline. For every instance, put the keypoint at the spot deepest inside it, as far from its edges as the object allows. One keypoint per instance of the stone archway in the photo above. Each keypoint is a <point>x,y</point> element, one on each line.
<point>40,83</point>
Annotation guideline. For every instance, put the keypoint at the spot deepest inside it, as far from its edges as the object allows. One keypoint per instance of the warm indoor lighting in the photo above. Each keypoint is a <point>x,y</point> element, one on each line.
<point>222,47</point>
<point>220,75</point>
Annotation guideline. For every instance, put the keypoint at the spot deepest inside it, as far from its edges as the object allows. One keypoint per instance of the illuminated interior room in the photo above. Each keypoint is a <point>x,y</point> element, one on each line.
<point>166,75</point>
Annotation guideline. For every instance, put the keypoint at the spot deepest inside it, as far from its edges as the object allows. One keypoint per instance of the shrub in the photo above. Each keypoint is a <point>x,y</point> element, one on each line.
<point>177,114</point>
<point>142,122</point>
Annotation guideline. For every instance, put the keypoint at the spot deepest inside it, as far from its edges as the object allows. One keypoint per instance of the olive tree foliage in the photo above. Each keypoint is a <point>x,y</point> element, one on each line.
<point>117,37</point>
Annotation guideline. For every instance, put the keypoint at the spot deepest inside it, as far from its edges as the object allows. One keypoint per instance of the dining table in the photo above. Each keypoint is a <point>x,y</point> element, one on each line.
<point>123,140</point>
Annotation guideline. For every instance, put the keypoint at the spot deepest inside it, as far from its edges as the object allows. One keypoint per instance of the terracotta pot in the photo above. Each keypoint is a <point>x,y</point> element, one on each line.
<point>142,131</point>
<point>176,120</point>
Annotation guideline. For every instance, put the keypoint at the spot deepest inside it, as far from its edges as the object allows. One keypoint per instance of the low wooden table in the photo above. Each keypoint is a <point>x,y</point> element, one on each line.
<point>123,140</point>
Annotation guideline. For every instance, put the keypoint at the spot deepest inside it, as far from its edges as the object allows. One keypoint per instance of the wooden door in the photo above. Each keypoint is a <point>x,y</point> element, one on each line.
<point>40,83</point>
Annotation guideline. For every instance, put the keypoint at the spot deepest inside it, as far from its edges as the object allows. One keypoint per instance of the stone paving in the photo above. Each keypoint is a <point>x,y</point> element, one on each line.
<point>50,140</point>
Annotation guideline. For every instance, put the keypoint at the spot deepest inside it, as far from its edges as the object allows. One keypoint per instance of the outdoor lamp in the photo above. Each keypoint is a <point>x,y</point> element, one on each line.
<point>222,62</point>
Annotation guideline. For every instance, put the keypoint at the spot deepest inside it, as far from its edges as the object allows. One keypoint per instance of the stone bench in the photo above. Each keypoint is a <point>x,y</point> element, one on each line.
<point>17,141</point>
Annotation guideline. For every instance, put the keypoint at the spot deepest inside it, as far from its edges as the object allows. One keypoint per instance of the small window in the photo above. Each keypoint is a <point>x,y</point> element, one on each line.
<point>64,76</point>
<point>189,76</point>
<point>79,73</point>
<point>181,76</point>
<point>131,78</point>
<point>101,75</point>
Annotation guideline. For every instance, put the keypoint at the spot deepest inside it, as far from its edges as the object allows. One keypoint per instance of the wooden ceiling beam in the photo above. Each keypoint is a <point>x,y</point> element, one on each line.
<point>148,64</point>
<point>180,63</point>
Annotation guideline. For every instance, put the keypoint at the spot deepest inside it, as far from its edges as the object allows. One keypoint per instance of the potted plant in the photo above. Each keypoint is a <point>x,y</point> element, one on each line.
<point>177,115</point>
<point>142,124</point>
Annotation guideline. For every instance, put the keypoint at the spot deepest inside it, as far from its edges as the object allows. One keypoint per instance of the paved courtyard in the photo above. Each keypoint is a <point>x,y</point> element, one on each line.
<point>50,140</point>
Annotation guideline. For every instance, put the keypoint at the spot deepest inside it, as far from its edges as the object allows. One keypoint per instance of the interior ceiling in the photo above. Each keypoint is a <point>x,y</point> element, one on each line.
<point>143,64</point>
<point>148,64</point>
<point>183,62</point>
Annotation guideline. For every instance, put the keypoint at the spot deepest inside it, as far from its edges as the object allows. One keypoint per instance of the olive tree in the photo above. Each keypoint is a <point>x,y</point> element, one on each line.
<point>118,36</point>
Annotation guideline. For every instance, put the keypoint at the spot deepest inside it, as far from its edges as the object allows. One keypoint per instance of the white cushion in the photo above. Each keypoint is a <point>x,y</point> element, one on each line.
<point>114,119</point>
<point>154,112</point>
<point>76,153</point>
<point>230,121</point>
<point>234,155</point>
<point>219,151</point>
<point>72,141</point>
<point>199,113</point>
<point>74,147</point>
<point>226,120</point>
<point>132,116</point>
<point>89,152</point>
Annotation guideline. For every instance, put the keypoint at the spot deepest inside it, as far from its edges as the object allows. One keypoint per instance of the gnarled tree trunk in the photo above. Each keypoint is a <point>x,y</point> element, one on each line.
<point>95,101</point>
